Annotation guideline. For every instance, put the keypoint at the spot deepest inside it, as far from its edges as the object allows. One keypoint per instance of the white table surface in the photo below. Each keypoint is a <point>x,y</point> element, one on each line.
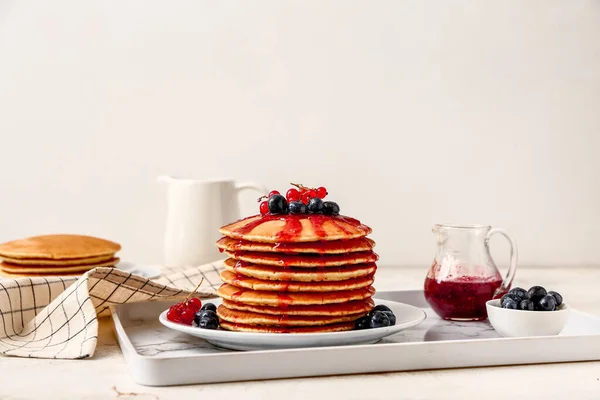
<point>96,378</point>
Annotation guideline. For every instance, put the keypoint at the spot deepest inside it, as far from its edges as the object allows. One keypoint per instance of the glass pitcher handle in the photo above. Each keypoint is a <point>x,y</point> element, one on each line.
<point>510,275</point>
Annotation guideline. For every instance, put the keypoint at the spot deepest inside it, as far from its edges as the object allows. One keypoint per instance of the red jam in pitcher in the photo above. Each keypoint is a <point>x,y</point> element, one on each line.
<point>463,276</point>
<point>473,293</point>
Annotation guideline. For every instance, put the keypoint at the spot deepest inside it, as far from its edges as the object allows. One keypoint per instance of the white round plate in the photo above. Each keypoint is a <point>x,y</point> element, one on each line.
<point>406,316</point>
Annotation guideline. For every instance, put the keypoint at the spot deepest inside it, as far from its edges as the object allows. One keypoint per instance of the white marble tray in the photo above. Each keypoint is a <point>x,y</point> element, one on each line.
<point>158,356</point>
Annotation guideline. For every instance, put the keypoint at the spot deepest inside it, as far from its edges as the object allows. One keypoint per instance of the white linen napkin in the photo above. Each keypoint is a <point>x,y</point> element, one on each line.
<point>57,317</point>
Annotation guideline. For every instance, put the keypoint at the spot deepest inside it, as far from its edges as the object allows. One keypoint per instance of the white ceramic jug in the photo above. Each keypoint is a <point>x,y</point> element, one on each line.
<point>196,209</point>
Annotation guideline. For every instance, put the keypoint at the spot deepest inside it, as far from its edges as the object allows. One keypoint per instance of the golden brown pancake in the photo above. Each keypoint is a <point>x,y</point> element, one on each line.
<point>50,269</point>
<point>304,260</point>
<point>58,247</point>
<point>329,274</point>
<point>345,326</point>
<point>247,282</point>
<point>283,299</point>
<point>321,247</point>
<point>58,263</point>
<point>64,275</point>
<point>251,318</point>
<point>295,228</point>
<point>348,308</point>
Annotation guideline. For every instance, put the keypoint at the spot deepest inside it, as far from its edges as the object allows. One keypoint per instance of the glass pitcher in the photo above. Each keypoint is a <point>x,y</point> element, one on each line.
<point>463,276</point>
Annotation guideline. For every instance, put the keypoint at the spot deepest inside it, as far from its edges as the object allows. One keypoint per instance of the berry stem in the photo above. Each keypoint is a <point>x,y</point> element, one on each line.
<point>194,291</point>
<point>300,186</point>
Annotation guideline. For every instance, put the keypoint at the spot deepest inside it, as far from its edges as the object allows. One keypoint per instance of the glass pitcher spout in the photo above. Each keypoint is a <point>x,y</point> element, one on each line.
<point>463,276</point>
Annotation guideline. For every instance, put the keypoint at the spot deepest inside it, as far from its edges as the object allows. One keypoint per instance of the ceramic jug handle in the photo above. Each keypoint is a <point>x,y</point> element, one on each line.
<point>510,275</point>
<point>251,185</point>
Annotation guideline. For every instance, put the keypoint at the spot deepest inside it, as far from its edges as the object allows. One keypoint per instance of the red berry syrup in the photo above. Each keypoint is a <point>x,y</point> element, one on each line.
<point>461,298</point>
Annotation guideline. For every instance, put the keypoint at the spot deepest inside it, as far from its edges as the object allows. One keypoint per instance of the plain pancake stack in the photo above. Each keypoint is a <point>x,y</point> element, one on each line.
<point>56,255</point>
<point>296,273</point>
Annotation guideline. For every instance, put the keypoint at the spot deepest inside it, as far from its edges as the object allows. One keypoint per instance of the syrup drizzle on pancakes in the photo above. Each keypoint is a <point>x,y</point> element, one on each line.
<point>293,230</point>
<point>286,266</point>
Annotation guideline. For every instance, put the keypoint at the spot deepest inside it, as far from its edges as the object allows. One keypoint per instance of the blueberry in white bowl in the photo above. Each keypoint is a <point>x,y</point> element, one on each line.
<point>527,305</point>
<point>509,302</point>
<point>534,312</point>
<point>557,297</point>
<point>534,299</point>
<point>535,293</point>
<point>518,292</point>
<point>546,303</point>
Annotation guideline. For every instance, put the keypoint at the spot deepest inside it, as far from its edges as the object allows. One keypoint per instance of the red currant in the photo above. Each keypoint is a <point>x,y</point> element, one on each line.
<point>187,316</point>
<point>312,193</point>
<point>321,192</point>
<point>273,193</point>
<point>194,303</point>
<point>264,208</point>
<point>292,195</point>
<point>173,315</point>
<point>306,198</point>
<point>178,307</point>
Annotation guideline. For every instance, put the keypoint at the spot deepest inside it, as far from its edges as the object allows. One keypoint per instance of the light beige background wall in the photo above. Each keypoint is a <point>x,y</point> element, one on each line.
<point>410,112</point>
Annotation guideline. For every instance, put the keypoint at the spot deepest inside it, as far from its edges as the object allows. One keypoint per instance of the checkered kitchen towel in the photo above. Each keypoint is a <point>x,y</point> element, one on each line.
<point>50,317</point>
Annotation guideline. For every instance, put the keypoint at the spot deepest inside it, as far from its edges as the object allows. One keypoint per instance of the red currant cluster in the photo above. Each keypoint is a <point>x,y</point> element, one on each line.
<point>298,200</point>
<point>185,311</point>
<point>304,194</point>
<point>298,193</point>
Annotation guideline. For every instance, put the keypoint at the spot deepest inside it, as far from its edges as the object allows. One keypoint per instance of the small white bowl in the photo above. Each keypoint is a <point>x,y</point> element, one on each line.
<point>520,323</point>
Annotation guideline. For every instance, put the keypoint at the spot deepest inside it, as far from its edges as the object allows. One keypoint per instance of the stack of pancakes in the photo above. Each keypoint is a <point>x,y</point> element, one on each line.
<point>296,274</point>
<point>56,255</point>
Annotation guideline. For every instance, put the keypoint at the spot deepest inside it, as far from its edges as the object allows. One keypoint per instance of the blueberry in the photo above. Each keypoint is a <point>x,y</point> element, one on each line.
<point>208,323</point>
<point>379,320</point>
<point>298,207</point>
<point>557,297</point>
<point>391,316</point>
<point>386,310</point>
<point>519,292</point>
<point>527,305</point>
<point>331,208</point>
<point>546,303</point>
<point>535,293</point>
<point>278,204</point>
<point>315,205</point>
<point>203,314</point>
<point>209,306</point>
<point>381,307</point>
<point>508,297</point>
<point>363,323</point>
<point>510,304</point>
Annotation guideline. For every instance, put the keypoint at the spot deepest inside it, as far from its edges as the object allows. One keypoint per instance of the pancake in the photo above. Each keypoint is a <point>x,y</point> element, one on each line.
<point>321,247</point>
<point>346,326</point>
<point>30,269</point>
<point>58,247</point>
<point>295,228</point>
<point>242,281</point>
<point>351,307</point>
<point>329,274</point>
<point>251,318</point>
<point>63,275</point>
<point>283,299</point>
<point>58,263</point>
<point>304,260</point>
